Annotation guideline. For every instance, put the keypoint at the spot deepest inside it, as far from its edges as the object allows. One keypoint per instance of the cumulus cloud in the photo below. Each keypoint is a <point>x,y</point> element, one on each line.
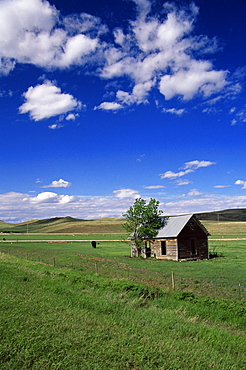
<point>156,51</point>
<point>110,106</point>
<point>199,78</point>
<point>242,183</point>
<point>72,116</point>
<point>51,198</point>
<point>32,31</point>
<point>55,126</point>
<point>45,197</point>
<point>58,184</point>
<point>47,100</point>
<point>204,203</point>
<point>126,193</point>
<point>162,53</point>
<point>18,207</point>
<point>177,112</point>
<point>188,167</point>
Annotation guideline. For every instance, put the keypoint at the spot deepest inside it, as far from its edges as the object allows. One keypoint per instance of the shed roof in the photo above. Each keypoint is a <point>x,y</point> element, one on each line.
<point>173,225</point>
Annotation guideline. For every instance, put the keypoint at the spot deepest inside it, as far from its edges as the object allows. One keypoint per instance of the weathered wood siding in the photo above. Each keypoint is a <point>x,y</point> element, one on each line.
<point>171,249</point>
<point>192,242</point>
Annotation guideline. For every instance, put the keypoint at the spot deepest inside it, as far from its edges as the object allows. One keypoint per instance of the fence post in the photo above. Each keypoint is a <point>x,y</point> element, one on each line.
<point>96,268</point>
<point>173,281</point>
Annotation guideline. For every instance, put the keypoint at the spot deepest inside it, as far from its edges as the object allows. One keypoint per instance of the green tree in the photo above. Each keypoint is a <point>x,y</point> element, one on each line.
<point>143,220</point>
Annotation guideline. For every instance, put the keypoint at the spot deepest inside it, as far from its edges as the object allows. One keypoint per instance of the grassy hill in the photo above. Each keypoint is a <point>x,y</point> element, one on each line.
<point>66,225</point>
<point>72,225</point>
<point>225,215</point>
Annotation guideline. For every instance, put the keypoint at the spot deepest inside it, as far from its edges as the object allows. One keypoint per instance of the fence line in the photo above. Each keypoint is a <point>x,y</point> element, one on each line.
<point>101,266</point>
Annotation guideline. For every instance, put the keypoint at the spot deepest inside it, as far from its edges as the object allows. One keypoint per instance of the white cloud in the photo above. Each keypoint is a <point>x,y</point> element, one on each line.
<point>156,51</point>
<point>175,111</point>
<point>58,184</point>
<point>47,100</point>
<point>204,204</point>
<point>126,193</point>
<point>197,77</point>
<point>174,175</point>
<point>194,193</point>
<point>138,95</point>
<point>221,186</point>
<point>109,106</point>
<point>31,31</point>
<point>163,53</point>
<point>45,197</point>
<point>154,187</point>
<point>56,126</point>
<point>72,116</point>
<point>182,182</point>
<point>188,167</point>
<point>241,182</point>
<point>64,199</point>
<point>194,165</point>
<point>140,158</point>
<point>18,207</point>
<point>51,198</point>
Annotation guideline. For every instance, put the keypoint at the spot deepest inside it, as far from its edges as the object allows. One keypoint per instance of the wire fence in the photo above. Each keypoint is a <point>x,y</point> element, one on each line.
<point>124,270</point>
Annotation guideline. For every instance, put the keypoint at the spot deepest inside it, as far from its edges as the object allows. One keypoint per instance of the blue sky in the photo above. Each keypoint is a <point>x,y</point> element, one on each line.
<point>103,102</point>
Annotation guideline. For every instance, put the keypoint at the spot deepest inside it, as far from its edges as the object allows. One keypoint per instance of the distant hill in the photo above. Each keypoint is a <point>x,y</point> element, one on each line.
<point>68,225</point>
<point>72,225</point>
<point>225,215</point>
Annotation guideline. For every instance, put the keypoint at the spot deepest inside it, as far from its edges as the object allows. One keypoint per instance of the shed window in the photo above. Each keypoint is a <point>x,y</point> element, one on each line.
<point>163,248</point>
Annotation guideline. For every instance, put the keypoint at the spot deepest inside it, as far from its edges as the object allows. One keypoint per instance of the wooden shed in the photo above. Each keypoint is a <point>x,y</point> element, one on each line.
<point>182,238</point>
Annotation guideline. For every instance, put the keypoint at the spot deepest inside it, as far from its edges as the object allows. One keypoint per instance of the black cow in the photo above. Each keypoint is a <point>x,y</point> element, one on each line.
<point>94,244</point>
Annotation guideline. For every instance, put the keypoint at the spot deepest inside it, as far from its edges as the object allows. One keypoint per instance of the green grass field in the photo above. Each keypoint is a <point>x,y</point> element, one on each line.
<point>69,306</point>
<point>53,318</point>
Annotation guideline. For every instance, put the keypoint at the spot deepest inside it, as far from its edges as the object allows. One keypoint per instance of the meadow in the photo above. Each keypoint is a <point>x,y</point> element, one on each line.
<point>66,305</point>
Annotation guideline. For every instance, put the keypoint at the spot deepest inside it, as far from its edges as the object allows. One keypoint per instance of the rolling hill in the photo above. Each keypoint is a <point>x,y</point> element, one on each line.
<point>66,225</point>
<point>103,225</point>
<point>225,215</point>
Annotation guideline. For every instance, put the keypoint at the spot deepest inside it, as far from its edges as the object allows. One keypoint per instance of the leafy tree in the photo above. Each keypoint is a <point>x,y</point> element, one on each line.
<point>143,220</point>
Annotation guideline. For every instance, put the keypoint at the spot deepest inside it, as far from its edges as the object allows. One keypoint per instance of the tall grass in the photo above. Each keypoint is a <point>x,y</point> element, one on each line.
<point>63,319</point>
<point>70,306</point>
<point>223,277</point>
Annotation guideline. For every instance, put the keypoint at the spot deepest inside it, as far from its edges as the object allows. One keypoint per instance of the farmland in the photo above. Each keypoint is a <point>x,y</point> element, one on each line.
<point>66,305</point>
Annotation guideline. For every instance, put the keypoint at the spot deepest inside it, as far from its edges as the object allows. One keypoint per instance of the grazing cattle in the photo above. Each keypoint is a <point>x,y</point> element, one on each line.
<point>94,244</point>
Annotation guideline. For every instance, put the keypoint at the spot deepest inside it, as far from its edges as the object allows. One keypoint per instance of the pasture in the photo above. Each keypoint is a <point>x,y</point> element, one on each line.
<point>66,305</point>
